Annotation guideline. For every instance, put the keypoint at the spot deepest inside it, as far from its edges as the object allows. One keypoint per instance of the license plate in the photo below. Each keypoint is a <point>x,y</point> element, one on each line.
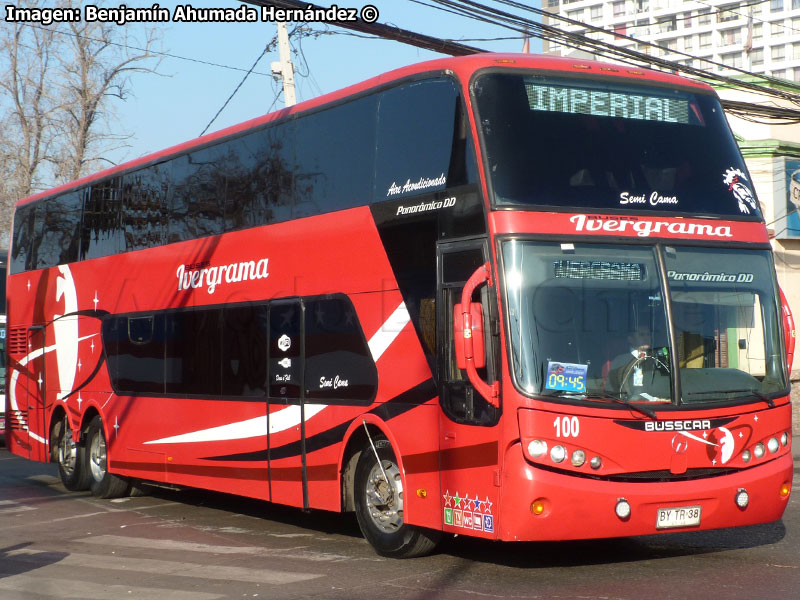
<point>679,516</point>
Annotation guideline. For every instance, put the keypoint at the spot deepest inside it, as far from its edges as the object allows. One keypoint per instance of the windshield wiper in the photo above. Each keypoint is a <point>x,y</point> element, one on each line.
<point>606,396</point>
<point>750,393</point>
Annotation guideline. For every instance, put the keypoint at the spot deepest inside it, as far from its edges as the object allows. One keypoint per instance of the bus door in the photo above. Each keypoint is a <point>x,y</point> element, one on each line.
<point>469,449</point>
<point>34,384</point>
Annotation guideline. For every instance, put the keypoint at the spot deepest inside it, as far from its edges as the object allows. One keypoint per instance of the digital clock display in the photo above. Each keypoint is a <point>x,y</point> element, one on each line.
<point>566,377</point>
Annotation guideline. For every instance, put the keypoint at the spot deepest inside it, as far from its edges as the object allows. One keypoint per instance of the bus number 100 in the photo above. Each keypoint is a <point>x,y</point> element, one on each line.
<point>567,427</point>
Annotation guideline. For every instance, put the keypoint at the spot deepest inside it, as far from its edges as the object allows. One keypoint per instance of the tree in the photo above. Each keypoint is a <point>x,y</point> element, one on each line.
<point>58,85</point>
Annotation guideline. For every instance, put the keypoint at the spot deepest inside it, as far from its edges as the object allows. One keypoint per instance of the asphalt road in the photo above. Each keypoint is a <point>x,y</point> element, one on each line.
<point>201,546</point>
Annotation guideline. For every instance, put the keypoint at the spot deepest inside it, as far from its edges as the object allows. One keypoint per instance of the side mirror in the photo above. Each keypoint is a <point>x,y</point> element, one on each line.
<point>789,332</point>
<point>468,336</point>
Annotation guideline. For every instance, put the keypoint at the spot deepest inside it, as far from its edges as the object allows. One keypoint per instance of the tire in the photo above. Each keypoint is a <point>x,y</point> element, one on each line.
<point>69,456</point>
<point>102,483</point>
<point>379,506</point>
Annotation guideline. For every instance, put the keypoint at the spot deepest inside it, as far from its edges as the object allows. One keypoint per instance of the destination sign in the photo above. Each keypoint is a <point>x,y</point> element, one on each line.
<point>604,103</point>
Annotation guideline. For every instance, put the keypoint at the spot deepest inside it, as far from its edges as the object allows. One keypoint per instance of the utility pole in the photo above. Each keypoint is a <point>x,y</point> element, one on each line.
<point>284,68</point>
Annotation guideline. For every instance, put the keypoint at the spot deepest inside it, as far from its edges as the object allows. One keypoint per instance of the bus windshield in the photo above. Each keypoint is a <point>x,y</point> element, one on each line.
<point>575,143</point>
<point>590,321</point>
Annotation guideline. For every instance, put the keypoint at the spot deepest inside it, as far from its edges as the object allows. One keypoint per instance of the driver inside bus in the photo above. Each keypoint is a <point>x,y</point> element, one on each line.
<point>643,372</point>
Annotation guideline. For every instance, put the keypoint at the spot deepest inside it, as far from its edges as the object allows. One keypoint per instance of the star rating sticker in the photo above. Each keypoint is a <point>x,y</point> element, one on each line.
<point>488,506</point>
<point>448,499</point>
<point>458,500</point>
<point>476,504</point>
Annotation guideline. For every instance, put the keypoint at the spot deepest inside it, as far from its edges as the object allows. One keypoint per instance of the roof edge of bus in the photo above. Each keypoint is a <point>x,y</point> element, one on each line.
<point>463,66</point>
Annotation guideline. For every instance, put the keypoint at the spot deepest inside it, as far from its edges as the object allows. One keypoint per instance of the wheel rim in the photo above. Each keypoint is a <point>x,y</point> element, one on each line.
<point>385,499</point>
<point>97,457</point>
<point>67,450</point>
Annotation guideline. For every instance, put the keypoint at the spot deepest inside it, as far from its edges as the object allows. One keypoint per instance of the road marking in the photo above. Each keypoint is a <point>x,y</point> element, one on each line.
<point>299,552</point>
<point>27,586</point>
<point>165,567</point>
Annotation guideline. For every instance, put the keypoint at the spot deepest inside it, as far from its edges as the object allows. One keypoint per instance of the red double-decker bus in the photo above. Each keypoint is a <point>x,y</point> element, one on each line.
<point>508,296</point>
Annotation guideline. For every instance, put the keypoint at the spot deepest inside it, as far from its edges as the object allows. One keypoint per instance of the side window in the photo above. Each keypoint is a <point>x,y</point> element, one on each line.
<point>339,364</point>
<point>59,240</point>
<point>416,129</point>
<point>198,197</point>
<point>193,356</point>
<point>244,350</point>
<point>134,347</point>
<point>101,231</point>
<point>145,209</point>
<point>285,349</point>
<point>459,400</point>
<point>249,184</point>
<point>334,155</point>
<point>20,258</point>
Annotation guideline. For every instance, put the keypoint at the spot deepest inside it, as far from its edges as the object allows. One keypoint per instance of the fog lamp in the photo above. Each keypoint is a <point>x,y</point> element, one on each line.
<point>784,439</point>
<point>596,462</point>
<point>746,456</point>
<point>785,490</point>
<point>759,450</point>
<point>623,509</point>
<point>773,444</point>
<point>742,498</point>
<point>578,458</point>
<point>558,454</point>
<point>537,448</point>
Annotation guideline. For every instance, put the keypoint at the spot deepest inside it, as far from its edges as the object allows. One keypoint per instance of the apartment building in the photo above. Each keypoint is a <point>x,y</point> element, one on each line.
<point>759,36</point>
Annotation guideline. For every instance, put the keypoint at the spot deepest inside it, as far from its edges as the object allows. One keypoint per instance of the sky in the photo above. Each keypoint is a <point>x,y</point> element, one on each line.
<point>177,105</point>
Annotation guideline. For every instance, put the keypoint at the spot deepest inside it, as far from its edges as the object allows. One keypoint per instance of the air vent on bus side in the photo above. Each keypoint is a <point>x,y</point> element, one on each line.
<point>17,340</point>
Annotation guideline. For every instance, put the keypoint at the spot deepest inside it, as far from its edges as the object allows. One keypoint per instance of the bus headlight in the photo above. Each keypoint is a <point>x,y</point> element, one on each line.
<point>759,450</point>
<point>742,498</point>
<point>578,458</point>
<point>537,448</point>
<point>784,439</point>
<point>558,454</point>
<point>773,445</point>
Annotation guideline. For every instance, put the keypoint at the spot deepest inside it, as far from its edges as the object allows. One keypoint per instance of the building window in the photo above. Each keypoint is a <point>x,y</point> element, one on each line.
<point>758,31</point>
<point>776,29</point>
<point>575,15</point>
<point>619,8</point>
<point>665,24</point>
<point>778,53</point>
<point>642,5</point>
<point>757,57</point>
<point>729,12</point>
<point>795,6</point>
<point>686,18</point>
<point>552,3</point>
<point>796,51</point>
<point>797,73</point>
<point>731,36</point>
<point>705,40</point>
<point>732,59</point>
<point>672,45</point>
<point>596,12</point>
<point>775,5</point>
<point>779,73</point>
<point>704,16</point>
<point>688,42</point>
<point>620,30</point>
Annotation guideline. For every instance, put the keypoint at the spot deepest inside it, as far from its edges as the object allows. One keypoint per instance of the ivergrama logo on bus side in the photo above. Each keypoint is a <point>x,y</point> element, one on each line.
<point>195,276</point>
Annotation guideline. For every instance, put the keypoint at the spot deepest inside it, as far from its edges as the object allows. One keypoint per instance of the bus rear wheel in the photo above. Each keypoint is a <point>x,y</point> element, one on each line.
<point>102,483</point>
<point>69,456</point>
<point>379,506</point>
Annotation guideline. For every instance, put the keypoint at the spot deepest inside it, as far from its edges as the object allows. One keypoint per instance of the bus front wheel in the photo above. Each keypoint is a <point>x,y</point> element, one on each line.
<point>102,483</point>
<point>69,456</point>
<point>379,506</point>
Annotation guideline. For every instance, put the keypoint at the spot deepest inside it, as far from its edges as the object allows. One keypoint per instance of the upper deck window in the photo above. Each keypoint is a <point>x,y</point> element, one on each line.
<point>594,144</point>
